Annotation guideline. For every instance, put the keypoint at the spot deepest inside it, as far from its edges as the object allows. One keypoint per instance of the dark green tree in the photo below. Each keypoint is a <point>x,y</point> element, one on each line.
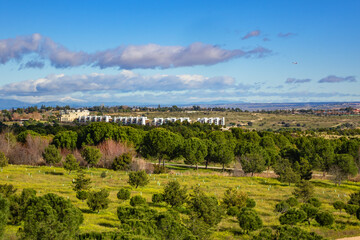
<point>351,209</point>
<point>137,200</point>
<point>123,194</point>
<point>51,217</point>
<point>205,208</point>
<point>325,218</point>
<point>70,163</point>
<point>304,190</point>
<point>174,194</point>
<point>285,172</point>
<point>3,160</point>
<point>18,205</point>
<point>157,198</point>
<point>194,151</point>
<point>98,200</point>
<point>66,139</point>
<point>339,205</point>
<point>52,155</point>
<point>4,214</point>
<point>292,217</point>
<point>249,220</point>
<point>355,198</point>
<point>7,190</point>
<point>253,163</point>
<point>234,198</point>
<point>310,211</point>
<point>343,167</point>
<point>293,202</point>
<point>139,178</point>
<point>81,182</point>
<point>122,162</point>
<point>314,201</point>
<point>282,207</point>
<point>91,155</point>
<point>82,195</point>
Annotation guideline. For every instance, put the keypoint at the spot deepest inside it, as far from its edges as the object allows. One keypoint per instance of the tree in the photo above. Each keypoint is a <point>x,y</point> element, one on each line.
<point>194,151</point>
<point>315,202</point>
<point>66,139</point>
<point>355,198</point>
<point>4,214</point>
<point>123,194</point>
<point>81,182</point>
<point>205,208</point>
<point>282,207</point>
<point>139,178</point>
<point>234,198</point>
<point>3,160</point>
<point>91,155</point>
<point>51,217</point>
<point>70,163</point>
<point>52,155</point>
<point>358,214</point>
<point>137,200</point>
<point>98,200</point>
<point>252,163</point>
<point>292,217</point>
<point>157,198</point>
<point>325,218</point>
<point>222,149</point>
<point>249,220</point>
<point>122,162</point>
<point>293,202</point>
<point>310,211</point>
<point>304,190</point>
<point>7,190</point>
<point>18,205</point>
<point>339,205</point>
<point>174,194</point>
<point>287,232</point>
<point>285,172</point>
<point>303,168</point>
<point>82,195</point>
<point>343,167</point>
<point>351,209</point>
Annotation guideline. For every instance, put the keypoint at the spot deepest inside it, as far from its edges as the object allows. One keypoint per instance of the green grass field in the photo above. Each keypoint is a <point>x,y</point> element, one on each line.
<point>266,192</point>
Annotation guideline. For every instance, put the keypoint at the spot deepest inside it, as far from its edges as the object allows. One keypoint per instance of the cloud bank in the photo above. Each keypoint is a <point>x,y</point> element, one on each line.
<point>251,34</point>
<point>294,80</point>
<point>286,35</point>
<point>125,81</point>
<point>124,57</point>
<point>335,79</point>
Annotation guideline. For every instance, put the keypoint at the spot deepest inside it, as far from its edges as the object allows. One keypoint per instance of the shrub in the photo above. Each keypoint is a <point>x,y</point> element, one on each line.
<point>293,202</point>
<point>250,203</point>
<point>232,211</point>
<point>157,198</point>
<point>98,200</point>
<point>138,179</point>
<point>282,207</point>
<point>292,217</point>
<point>315,202</point>
<point>304,190</point>
<point>233,197</point>
<point>103,174</point>
<point>355,198</point>
<point>81,182</point>
<point>52,155</point>
<point>174,194</point>
<point>310,211</point>
<point>82,195</point>
<point>122,162</point>
<point>351,209</point>
<point>325,218</point>
<point>249,220</point>
<point>3,160</point>
<point>7,190</point>
<point>126,213</point>
<point>159,169</point>
<point>339,205</point>
<point>137,200</point>
<point>285,233</point>
<point>358,214</point>
<point>4,214</point>
<point>123,194</point>
<point>91,155</point>
<point>70,163</point>
<point>18,205</point>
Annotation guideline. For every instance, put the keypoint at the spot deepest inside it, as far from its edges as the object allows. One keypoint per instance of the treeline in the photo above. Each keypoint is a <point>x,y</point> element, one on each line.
<point>292,155</point>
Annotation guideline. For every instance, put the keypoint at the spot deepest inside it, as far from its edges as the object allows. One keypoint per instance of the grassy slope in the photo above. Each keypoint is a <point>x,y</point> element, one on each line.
<point>266,192</point>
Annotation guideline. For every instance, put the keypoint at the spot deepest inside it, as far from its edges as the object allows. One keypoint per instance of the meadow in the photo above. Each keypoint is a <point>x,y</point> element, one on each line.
<point>265,191</point>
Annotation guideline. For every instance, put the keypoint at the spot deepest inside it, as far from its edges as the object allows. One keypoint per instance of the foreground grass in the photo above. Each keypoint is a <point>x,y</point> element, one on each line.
<point>266,192</point>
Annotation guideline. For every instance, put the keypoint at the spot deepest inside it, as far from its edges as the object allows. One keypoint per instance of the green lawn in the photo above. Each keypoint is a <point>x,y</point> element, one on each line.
<point>266,192</point>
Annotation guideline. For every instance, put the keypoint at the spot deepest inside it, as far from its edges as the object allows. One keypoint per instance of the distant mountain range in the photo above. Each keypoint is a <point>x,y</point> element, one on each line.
<point>8,104</point>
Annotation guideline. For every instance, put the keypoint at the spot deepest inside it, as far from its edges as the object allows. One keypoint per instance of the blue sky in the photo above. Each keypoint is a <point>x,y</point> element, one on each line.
<point>179,52</point>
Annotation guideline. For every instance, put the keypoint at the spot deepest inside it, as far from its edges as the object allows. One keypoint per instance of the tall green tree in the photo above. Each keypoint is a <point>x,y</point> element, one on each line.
<point>139,178</point>
<point>91,155</point>
<point>3,160</point>
<point>174,194</point>
<point>52,155</point>
<point>81,182</point>
<point>70,163</point>
<point>98,200</point>
<point>343,167</point>
<point>66,139</point>
<point>4,214</point>
<point>304,190</point>
<point>194,151</point>
<point>252,163</point>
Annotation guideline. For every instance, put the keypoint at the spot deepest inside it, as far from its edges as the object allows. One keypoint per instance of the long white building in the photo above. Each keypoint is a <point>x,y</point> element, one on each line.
<point>130,120</point>
<point>215,120</point>
<point>84,119</point>
<point>161,121</point>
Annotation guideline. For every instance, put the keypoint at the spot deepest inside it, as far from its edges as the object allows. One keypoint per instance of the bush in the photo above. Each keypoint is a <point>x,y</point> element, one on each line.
<point>232,211</point>
<point>293,202</point>
<point>98,200</point>
<point>159,169</point>
<point>126,213</point>
<point>18,205</point>
<point>324,218</point>
<point>358,214</point>
<point>122,162</point>
<point>174,194</point>
<point>4,214</point>
<point>123,194</point>
<point>355,198</point>
<point>82,195</point>
<point>52,155</point>
<point>3,160</point>
<point>103,174</point>
<point>234,198</point>
<point>137,200</point>
<point>7,190</point>
<point>292,217</point>
<point>91,155</point>
<point>157,198</point>
<point>339,205</point>
<point>282,207</point>
<point>304,190</point>
<point>139,178</point>
<point>70,163</point>
<point>285,233</point>
<point>310,211</point>
<point>351,209</point>
<point>250,203</point>
<point>249,220</point>
<point>315,202</point>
